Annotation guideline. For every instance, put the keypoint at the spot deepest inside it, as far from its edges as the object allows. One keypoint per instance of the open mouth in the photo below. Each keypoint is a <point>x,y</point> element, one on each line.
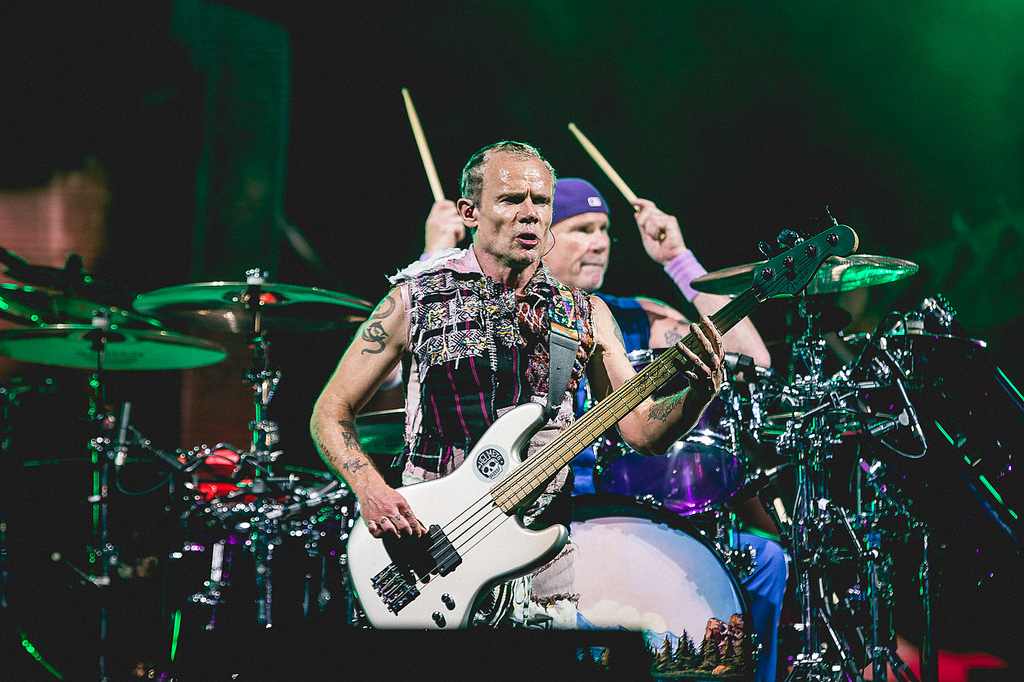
<point>528,240</point>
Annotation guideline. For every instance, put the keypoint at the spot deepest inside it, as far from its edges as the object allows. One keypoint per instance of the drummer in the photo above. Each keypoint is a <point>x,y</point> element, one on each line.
<point>579,257</point>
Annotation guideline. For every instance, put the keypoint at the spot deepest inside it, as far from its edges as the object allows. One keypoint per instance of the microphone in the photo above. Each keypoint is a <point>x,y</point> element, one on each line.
<point>899,378</point>
<point>314,497</point>
<point>738,363</point>
<point>122,438</point>
<point>915,423</point>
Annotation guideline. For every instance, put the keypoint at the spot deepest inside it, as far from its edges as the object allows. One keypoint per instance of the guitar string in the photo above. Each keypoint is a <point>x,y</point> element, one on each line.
<point>619,399</point>
<point>460,543</point>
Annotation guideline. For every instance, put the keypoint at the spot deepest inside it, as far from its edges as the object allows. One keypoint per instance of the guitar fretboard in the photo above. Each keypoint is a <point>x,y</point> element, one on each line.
<point>519,487</point>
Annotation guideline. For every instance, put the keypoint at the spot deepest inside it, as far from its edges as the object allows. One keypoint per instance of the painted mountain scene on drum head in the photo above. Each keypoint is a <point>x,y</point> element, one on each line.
<point>724,653</point>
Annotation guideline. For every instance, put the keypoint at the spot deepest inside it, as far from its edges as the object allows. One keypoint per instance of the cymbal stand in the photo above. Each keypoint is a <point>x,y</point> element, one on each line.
<point>106,554</point>
<point>825,656</point>
<point>8,398</point>
<point>807,439</point>
<point>882,651</point>
<point>262,380</point>
<point>265,531</point>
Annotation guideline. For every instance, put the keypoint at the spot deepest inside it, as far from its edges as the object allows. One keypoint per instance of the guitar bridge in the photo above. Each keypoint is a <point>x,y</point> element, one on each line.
<point>413,560</point>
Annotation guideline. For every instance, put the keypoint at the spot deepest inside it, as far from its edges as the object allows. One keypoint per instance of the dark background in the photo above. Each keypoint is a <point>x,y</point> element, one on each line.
<point>741,118</point>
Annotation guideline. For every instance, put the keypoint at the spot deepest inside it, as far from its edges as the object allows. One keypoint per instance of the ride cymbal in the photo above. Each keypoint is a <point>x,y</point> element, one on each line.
<point>835,274</point>
<point>240,307</point>
<point>79,346</point>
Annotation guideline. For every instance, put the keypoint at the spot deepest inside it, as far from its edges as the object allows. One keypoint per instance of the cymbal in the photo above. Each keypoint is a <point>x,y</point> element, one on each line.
<point>382,432</point>
<point>74,345</point>
<point>72,279</point>
<point>231,306</point>
<point>28,305</point>
<point>836,274</point>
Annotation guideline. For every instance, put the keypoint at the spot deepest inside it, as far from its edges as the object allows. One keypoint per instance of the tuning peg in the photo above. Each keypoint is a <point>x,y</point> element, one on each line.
<point>787,239</point>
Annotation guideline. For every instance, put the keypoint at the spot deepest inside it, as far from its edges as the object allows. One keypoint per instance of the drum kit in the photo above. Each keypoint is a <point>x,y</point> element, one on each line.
<point>864,449</point>
<point>910,442</point>
<point>229,501</point>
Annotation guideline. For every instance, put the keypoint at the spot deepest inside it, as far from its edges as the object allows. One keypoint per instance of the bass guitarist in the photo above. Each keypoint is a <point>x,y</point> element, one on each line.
<point>478,325</point>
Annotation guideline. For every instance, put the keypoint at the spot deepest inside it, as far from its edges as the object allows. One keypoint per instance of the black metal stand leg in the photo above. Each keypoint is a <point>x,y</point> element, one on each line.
<point>928,656</point>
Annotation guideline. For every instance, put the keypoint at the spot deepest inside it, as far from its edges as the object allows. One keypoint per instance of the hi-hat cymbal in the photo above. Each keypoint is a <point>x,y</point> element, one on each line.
<point>31,306</point>
<point>233,306</point>
<point>836,274</point>
<point>73,345</point>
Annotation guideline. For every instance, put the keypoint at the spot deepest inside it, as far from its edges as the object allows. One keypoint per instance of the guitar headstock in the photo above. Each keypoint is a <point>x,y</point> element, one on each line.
<point>789,272</point>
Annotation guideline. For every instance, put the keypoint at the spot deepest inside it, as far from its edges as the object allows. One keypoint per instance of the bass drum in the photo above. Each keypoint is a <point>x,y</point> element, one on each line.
<point>640,567</point>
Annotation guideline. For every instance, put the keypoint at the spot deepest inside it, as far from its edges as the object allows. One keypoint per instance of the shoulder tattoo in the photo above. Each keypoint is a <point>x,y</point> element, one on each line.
<point>373,331</point>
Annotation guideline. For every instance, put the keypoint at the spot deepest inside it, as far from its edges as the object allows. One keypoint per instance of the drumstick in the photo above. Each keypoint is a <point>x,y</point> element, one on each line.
<point>421,142</point>
<point>609,171</point>
<point>605,166</point>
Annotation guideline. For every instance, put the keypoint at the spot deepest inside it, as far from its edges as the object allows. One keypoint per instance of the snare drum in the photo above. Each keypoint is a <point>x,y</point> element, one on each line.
<point>698,473</point>
<point>641,567</point>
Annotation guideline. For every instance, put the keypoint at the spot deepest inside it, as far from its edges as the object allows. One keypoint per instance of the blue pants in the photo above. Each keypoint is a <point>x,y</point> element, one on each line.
<point>766,587</point>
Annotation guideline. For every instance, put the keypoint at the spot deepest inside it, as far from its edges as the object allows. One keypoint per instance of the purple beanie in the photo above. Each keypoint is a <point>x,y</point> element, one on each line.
<point>574,196</point>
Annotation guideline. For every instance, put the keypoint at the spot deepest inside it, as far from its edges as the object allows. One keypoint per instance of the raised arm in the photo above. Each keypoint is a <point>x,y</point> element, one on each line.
<point>655,424</point>
<point>443,228</point>
<point>663,241</point>
<point>373,354</point>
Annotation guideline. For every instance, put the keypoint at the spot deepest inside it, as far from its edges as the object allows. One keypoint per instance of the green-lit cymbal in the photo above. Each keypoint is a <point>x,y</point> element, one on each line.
<point>232,306</point>
<point>28,305</point>
<point>382,432</point>
<point>836,274</point>
<point>120,348</point>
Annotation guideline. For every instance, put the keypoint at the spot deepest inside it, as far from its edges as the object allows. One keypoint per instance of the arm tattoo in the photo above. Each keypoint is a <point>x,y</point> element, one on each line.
<point>663,408</point>
<point>373,332</point>
<point>384,309</point>
<point>673,335</point>
<point>351,439</point>
<point>618,333</point>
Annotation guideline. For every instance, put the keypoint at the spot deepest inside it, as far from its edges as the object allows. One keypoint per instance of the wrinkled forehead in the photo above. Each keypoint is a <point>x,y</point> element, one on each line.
<point>504,172</point>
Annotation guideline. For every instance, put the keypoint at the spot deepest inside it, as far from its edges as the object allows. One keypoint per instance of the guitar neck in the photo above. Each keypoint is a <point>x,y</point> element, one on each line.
<point>518,488</point>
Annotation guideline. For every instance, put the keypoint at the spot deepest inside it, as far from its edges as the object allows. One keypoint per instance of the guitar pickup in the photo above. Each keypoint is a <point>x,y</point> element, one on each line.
<point>446,559</point>
<point>413,559</point>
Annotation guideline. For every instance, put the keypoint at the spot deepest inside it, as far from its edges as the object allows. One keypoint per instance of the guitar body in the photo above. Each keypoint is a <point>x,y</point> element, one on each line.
<point>492,546</point>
